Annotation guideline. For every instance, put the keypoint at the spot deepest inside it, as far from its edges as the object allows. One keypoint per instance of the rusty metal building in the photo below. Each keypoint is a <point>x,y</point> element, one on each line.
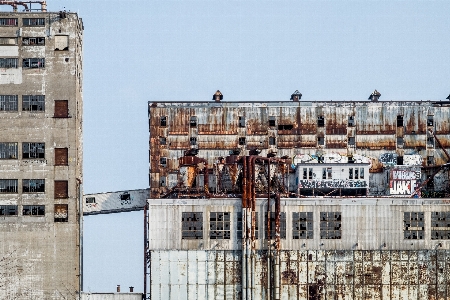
<point>298,200</point>
<point>40,152</point>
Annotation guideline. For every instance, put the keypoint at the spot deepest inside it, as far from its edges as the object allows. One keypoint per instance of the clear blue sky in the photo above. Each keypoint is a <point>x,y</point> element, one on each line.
<point>137,51</point>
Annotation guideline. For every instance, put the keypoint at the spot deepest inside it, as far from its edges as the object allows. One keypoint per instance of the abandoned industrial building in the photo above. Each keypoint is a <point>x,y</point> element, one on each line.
<point>41,153</point>
<point>298,199</point>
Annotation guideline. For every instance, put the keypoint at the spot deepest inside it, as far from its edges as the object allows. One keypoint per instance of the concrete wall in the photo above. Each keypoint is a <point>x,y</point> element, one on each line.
<point>103,203</point>
<point>40,257</point>
<point>111,296</point>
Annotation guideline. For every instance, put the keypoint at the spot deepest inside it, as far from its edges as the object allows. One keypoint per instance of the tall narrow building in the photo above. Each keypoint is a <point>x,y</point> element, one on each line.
<point>40,153</point>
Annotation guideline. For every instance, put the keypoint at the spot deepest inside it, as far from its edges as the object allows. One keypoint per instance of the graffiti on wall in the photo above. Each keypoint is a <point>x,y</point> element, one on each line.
<point>335,183</point>
<point>403,181</point>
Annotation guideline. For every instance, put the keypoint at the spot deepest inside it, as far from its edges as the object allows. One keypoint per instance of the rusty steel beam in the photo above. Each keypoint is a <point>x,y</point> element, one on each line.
<point>440,145</point>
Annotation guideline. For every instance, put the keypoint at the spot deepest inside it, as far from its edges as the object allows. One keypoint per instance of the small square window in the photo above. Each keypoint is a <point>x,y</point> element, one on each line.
<point>241,121</point>
<point>430,160</point>
<point>430,121</point>
<point>351,121</point>
<point>162,181</point>
<point>193,141</point>
<point>399,141</point>
<point>162,140</point>
<point>61,213</point>
<point>399,160</point>
<point>163,121</point>
<point>400,121</point>
<point>163,161</point>
<point>272,140</point>
<point>351,140</point>
<point>320,121</point>
<point>193,122</point>
<point>242,141</point>
<point>272,121</point>
<point>321,140</point>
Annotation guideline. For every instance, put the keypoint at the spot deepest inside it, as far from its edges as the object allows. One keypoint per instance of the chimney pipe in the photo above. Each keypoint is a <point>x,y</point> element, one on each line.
<point>296,96</point>
<point>118,288</point>
<point>217,96</point>
<point>131,289</point>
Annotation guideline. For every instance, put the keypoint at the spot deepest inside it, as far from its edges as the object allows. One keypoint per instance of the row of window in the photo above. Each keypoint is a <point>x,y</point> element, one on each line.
<point>34,103</point>
<point>26,41</point>
<point>11,186</point>
<point>60,211</point>
<point>327,173</point>
<point>272,122</point>
<point>29,63</point>
<point>32,151</point>
<point>302,225</point>
<point>25,22</point>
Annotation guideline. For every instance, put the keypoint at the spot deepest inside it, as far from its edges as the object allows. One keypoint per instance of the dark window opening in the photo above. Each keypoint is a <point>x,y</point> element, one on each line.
<point>361,173</point>
<point>33,185</point>
<point>193,141</point>
<point>310,173</point>
<point>33,210</point>
<point>272,140</point>
<point>61,157</point>
<point>9,63</point>
<point>430,141</point>
<point>241,121</point>
<point>162,140</point>
<point>430,160</point>
<point>272,225</point>
<point>8,185</point>
<point>219,225</point>
<point>430,121</point>
<point>33,63</point>
<point>285,127</point>
<point>413,225</point>
<point>399,141</point>
<point>440,225</point>
<point>329,173</point>
<point>8,210</point>
<point>33,103</point>
<point>163,161</point>
<point>320,121</point>
<point>33,150</point>
<point>125,196</point>
<point>61,213</point>
<point>193,122</point>
<point>61,189</point>
<point>351,121</point>
<point>399,121</point>
<point>163,121</point>
<point>302,225</point>
<point>33,21</point>
<point>399,160</point>
<point>321,140</point>
<point>90,200</point>
<point>305,173</point>
<point>356,173</point>
<point>8,102</point>
<point>8,150</point>
<point>239,226</point>
<point>192,225</point>
<point>8,22</point>
<point>33,41</point>
<point>350,173</point>
<point>272,121</point>
<point>351,140</point>
<point>330,225</point>
<point>242,141</point>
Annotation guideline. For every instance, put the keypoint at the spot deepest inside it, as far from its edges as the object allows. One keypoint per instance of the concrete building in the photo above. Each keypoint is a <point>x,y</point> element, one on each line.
<point>40,153</point>
<point>299,200</point>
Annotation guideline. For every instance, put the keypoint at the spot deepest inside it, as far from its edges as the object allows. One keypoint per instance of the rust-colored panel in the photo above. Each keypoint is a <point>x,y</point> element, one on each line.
<point>287,141</point>
<point>178,120</point>
<point>376,142</point>
<point>217,141</point>
<point>61,109</point>
<point>218,120</point>
<point>308,121</point>
<point>444,139</point>
<point>414,141</point>
<point>257,141</point>
<point>178,142</point>
<point>61,157</point>
<point>307,141</point>
<point>61,189</point>
<point>336,141</point>
<point>61,213</point>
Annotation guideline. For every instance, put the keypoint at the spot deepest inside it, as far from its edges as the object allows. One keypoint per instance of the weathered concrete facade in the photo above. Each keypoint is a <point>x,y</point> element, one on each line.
<point>41,155</point>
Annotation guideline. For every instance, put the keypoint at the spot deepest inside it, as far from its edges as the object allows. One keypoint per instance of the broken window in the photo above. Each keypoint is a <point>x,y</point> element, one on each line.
<point>241,121</point>
<point>321,140</point>
<point>350,173</point>
<point>61,109</point>
<point>163,121</point>
<point>61,213</point>
<point>8,102</point>
<point>193,141</point>
<point>191,225</point>
<point>162,181</point>
<point>399,160</point>
<point>33,150</point>
<point>305,173</point>
<point>272,225</point>
<point>272,140</point>
<point>320,121</point>
<point>272,121</point>
<point>239,226</point>
<point>330,225</point>
<point>33,185</point>
<point>8,150</point>
<point>193,122</point>
<point>61,157</point>
<point>33,41</point>
<point>242,141</point>
<point>324,173</point>
<point>61,189</point>
<point>329,173</point>
<point>90,200</point>
<point>440,225</point>
<point>8,63</point>
<point>413,225</point>
<point>351,121</point>
<point>162,140</point>
<point>8,210</point>
<point>33,21</point>
<point>8,41</point>
<point>33,63</point>
<point>356,173</point>
<point>310,173</point>
<point>61,42</point>
<point>430,160</point>
<point>430,121</point>
<point>302,225</point>
<point>430,141</point>
<point>285,127</point>
<point>33,210</point>
<point>8,185</point>
<point>399,141</point>
<point>351,140</point>
<point>33,103</point>
<point>8,22</point>
<point>361,173</point>
<point>399,121</point>
<point>163,161</point>
<point>125,196</point>
<point>219,225</point>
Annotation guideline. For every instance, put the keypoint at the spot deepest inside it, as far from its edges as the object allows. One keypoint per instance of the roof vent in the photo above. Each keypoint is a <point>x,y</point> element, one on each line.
<point>374,96</point>
<point>217,96</point>
<point>296,96</point>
